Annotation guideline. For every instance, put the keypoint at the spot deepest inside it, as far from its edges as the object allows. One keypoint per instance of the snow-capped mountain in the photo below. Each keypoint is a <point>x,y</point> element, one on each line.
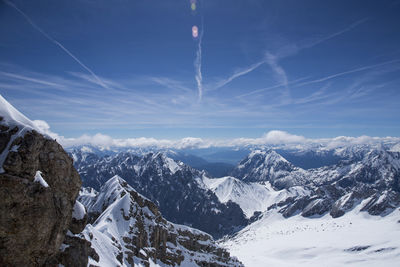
<point>175,187</point>
<point>130,231</point>
<point>268,165</point>
<point>331,222</point>
<point>372,173</point>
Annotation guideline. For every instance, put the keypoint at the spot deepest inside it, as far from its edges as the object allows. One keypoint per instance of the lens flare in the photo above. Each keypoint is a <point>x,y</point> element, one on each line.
<point>195,31</point>
<point>193,6</point>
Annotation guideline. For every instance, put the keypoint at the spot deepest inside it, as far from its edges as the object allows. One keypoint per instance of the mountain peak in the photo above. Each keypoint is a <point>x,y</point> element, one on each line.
<point>263,165</point>
<point>12,117</point>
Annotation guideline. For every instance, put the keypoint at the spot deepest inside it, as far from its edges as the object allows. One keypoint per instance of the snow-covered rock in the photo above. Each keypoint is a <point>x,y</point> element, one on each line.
<point>129,230</point>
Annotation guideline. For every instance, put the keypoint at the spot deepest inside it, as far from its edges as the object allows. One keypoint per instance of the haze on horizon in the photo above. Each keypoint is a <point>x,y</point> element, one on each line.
<point>220,69</point>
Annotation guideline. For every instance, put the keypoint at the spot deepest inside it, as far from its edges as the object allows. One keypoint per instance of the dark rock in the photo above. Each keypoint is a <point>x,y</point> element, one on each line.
<point>317,207</point>
<point>382,203</point>
<point>75,251</point>
<point>357,248</point>
<point>77,225</point>
<point>34,218</point>
<point>344,204</point>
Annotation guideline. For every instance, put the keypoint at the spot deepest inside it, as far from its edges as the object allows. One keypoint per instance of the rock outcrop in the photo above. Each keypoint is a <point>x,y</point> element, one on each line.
<point>38,189</point>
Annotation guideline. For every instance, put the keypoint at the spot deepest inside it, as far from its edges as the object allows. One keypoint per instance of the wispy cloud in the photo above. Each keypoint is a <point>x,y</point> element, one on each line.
<point>54,41</point>
<point>197,65</point>
<point>294,48</point>
<point>333,35</point>
<point>29,79</point>
<point>273,61</point>
<point>171,84</point>
<point>280,74</point>
<point>336,75</point>
<point>271,87</point>
<point>238,74</point>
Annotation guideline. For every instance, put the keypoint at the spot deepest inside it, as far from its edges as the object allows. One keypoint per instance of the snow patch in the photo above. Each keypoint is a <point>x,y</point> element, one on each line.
<point>39,179</point>
<point>171,164</point>
<point>79,211</point>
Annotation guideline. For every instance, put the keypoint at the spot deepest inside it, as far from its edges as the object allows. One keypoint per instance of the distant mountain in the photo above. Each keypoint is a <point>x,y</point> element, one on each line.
<point>215,169</point>
<point>372,174</point>
<point>226,155</point>
<point>129,230</point>
<point>175,187</point>
<point>308,159</point>
<point>268,165</point>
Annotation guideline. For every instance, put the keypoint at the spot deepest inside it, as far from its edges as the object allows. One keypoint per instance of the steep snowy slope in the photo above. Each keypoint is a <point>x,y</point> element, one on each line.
<point>355,239</point>
<point>13,124</point>
<point>251,197</point>
<point>175,187</point>
<point>129,230</point>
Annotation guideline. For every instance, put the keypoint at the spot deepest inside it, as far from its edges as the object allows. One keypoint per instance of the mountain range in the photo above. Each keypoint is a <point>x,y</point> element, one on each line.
<point>278,205</point>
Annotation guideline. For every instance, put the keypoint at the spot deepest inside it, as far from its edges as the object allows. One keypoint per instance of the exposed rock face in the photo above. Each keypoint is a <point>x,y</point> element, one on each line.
<point>38,189</point>
<point>130,230</point>
<point>75,251</point>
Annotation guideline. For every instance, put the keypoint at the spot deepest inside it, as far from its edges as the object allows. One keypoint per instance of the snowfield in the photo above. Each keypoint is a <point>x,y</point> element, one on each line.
<point>355,239</point>
<point>251,197</point>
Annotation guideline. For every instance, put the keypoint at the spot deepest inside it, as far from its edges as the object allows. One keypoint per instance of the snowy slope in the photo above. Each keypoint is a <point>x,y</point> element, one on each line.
<point>12,117</point>
<point>13,124</point>
<point>251,197</point>
<point>355,239</point>
<point>129,230</point>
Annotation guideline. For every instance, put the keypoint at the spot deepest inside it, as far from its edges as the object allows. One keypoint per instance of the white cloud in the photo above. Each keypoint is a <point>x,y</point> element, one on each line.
<point>272,138</point>
<point>281,137</point>
<point>197,66</point>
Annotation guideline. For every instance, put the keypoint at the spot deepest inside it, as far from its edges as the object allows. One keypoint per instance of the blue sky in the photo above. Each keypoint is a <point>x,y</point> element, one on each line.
<point>132,68</point>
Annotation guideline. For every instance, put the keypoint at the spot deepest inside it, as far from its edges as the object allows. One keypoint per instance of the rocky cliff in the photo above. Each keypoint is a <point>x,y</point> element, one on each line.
<point>38,190</point>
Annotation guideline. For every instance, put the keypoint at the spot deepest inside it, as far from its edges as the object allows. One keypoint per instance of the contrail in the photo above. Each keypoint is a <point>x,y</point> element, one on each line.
<point>51,39</point>
<point>348,72</point>
<point>238,74</point>
<point>197,66</point>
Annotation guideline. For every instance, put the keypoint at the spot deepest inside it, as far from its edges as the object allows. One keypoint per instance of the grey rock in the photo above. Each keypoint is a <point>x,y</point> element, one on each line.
<point>33,218</point>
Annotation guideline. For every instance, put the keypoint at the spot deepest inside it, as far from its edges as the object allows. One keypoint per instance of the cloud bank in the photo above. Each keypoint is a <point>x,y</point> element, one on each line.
<point>271,138</point>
